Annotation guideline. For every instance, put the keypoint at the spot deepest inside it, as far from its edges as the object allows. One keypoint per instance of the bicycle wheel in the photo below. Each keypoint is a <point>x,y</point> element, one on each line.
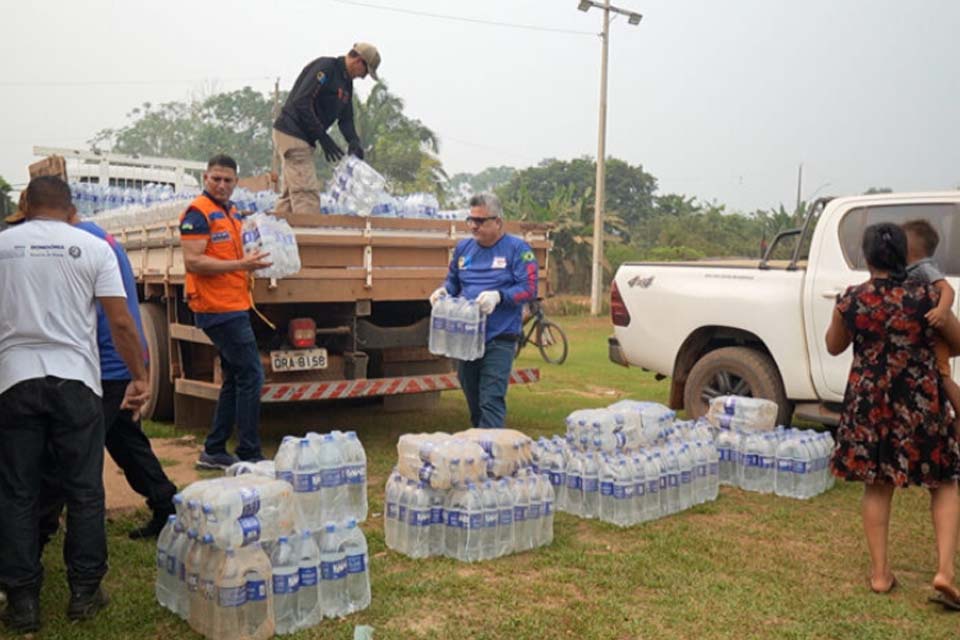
<point>552,342</point>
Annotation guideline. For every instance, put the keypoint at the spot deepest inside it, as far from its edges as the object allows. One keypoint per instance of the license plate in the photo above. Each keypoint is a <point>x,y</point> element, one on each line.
<point>298,360</point>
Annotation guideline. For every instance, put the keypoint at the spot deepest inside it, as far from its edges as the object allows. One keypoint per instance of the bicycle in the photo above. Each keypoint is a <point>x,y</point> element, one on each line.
<point>546,334</point>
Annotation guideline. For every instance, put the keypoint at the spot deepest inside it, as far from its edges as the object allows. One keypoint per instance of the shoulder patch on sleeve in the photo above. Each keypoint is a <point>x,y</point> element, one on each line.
<point>321,77</point>
<point>527,256</point>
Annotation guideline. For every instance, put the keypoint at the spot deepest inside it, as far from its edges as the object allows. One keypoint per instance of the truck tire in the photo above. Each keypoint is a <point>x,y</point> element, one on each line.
<point>160,405</point>
<point>738,371</point>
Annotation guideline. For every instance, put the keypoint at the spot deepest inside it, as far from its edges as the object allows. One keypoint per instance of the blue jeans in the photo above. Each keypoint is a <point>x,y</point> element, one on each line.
<point>239,401</point>
<point>485,381</point>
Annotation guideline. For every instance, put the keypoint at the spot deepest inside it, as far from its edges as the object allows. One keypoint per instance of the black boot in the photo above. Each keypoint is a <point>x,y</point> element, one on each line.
<point>153,528</point>
<point>85,604</point>
<point>22,614</point>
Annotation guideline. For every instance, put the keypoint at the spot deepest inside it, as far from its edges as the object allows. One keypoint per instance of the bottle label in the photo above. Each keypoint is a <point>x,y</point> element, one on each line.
<point>391,510</point>
<point>639,489</point>
<point>172,564</point>
<point>726,421</point>
<point>701,471</point>
<point>357,563</point>
<point>533,512</point>
<point>208,588</point>
<point>436,515</point>
<point>547,509</point>
<point>250,528</point>
<point>256,590</point>
<point>724,455</point>
<point>664,481</point>
<point>619,492</point>
<point>402,513</point>
<point>286,476</point>
<point>574,482</point>
<point>334,570</point>
<point>308,576</point>
<point>193,581</point>
<point>685,477</point>
<point>439,323</point>
<point>490,519</point>
<point>305,482</point>
<point>653,486</point>
<point>250,498</point>
<point>591,485</point>
<point>419,517</point>
<point>799,466</point>
<point>425,473</point>
<point>519,513</point>
<point>785,466</point>
<point>556,478</point>
<point>475,521</point>
<point>161,560</point>
<point>714,468</point>
<point>453,518</point>
<point>286,584</point>
<point>354,474</point>
<point>506,517</point>
<point>765,462</point>
<point>752,460</point>
<point>232,596</point>
<point>330,478</point>
<point>606,488</point>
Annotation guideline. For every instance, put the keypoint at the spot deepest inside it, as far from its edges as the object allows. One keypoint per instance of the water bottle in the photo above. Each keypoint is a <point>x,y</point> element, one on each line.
<point>419,521</point>
<point>607,506</point>
<point>534,511</point>
<point>231,597</point>
<point>639,487</point>
<point>285,585</point>
<point>591,487</point>
<point>623,485</point>
<point>547,502</point>
<point>358,576</point>
<point>333,573</point>
<point>438,326</point>
<point>491,520</point>
<point>258,616</point>
<point>472,523</point>
<point>332,489</point>
<point>163,588</point>
<point>285,458</point>
<point>521,502</point>
<point>198,616</point>
<point>209,574</point>
<point>672,470</point>
<point>355,476</point>
<point>403,522</point>
<point>307,483</point>
<point>784,478</point>
<point>453,531</point>
<point>726,446</point>
<point>308,595</point>
<point>685,461</point>
<point>713,467</point>
<point>574,503</point>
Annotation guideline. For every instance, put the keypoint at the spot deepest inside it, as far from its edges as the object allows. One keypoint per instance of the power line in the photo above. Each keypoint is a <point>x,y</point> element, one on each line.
<point>491,23</point>
<point>122,83</point>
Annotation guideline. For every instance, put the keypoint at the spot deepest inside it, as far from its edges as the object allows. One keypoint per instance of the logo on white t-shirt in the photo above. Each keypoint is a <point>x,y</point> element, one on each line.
<point>74,252</point>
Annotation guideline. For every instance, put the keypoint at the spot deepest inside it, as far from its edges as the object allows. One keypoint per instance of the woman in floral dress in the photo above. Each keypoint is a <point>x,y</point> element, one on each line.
<point>895,429</point>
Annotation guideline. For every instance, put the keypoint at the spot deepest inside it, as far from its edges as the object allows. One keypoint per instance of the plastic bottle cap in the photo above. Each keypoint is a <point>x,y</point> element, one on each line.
<point>330,527</point>
<point>351,523</point>
<point>171,518</point>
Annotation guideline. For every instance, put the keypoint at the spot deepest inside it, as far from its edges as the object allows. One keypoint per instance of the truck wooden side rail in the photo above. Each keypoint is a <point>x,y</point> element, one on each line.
<point>365,282</point>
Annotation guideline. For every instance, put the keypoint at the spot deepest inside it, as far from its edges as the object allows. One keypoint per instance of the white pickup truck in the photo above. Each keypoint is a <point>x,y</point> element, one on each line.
<point>757,327</point>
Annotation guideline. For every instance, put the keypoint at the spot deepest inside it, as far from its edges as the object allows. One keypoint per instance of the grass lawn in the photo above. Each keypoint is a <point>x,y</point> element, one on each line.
<point>745,566</point>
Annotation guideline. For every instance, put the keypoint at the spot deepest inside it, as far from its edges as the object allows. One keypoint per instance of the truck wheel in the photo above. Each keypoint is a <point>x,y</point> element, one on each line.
<point>737,371</point>
<point>160,405</point>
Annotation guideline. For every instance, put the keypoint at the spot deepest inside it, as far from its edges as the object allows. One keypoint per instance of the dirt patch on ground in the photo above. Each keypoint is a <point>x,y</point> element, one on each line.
<point>177,455</point>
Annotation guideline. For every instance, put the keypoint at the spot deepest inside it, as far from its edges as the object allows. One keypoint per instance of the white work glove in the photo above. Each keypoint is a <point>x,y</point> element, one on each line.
<point>436,295</point>
<point>488,300</point>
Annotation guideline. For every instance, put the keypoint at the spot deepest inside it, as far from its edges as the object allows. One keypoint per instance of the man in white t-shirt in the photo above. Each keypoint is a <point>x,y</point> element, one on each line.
<point>51,275</point>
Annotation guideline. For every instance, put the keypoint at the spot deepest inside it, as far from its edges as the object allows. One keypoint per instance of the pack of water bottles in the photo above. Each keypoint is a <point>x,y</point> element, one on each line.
<point>265,468</point>
<point>746,414</point>
<point>356,188</point>
<point>440,460</point>
<point>507,450</point>
<point>470,522</point>
<point>622,427</point>
<point>678,470</point>
<point>269,234</point>
<point>262,588</point>
<point>328,473</point>
<point>457,329</point>
<point>789,462</point>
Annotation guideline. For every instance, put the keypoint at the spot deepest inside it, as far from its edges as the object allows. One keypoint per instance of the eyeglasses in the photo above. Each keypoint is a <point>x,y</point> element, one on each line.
<point>479,220</point>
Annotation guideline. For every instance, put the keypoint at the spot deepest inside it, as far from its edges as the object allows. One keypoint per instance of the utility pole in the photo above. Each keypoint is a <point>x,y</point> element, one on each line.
<point>596,274</point>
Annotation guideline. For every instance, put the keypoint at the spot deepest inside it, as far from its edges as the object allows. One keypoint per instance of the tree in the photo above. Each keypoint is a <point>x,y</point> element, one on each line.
<point>7,206</point>
<point>462,185</point>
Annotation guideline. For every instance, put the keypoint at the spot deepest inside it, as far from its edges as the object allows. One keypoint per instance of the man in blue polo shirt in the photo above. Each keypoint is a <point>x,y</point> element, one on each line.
<point>500,272</point>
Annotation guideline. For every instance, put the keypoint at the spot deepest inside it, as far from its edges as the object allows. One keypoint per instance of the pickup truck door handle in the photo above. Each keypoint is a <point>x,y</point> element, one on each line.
<point>831,294</point>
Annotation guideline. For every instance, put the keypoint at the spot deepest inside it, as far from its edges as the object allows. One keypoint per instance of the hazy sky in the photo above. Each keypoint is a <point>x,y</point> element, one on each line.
<point>720,99</point>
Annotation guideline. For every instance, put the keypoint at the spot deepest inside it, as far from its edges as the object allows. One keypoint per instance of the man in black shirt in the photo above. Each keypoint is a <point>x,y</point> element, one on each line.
<point>322,95</point>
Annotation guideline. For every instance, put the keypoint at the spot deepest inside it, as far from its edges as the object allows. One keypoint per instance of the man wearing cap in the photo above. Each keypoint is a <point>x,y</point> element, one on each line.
<point>322,95</point>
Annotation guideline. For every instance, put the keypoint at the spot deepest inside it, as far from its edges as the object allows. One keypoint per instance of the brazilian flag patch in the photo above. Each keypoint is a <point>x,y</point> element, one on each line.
<point>527,256</point>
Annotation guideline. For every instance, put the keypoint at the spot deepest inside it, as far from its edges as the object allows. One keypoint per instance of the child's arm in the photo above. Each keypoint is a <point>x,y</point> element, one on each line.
<point>937,315</point>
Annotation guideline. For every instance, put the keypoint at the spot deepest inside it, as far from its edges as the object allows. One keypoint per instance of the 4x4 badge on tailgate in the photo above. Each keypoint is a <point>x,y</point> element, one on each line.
<point>643,282</point>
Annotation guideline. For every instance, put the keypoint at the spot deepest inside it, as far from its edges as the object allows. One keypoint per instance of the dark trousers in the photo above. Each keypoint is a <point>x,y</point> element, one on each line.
<point>62,418</point>
<point>129,447</point>
<point>485,381</point>
<point>239,402</point>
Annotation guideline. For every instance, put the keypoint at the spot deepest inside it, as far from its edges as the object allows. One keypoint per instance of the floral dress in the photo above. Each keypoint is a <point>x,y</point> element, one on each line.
<point>895,426</point>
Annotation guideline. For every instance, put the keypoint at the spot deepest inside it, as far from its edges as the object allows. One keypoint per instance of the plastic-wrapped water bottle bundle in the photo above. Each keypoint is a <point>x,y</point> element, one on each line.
<point>508,450</point>
<point>328,473</point>
<point>264,468</point>
<point>255,590</point>
<point>624,426</point>
<point>790,462</point>
<point>747,414</point>
<point>457,329</point>
<point>469,522</point>
<point>269,234</point>
<point>440,460</point>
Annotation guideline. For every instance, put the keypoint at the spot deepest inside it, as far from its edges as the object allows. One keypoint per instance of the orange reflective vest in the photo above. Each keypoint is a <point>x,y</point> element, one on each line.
<point>221,292</point>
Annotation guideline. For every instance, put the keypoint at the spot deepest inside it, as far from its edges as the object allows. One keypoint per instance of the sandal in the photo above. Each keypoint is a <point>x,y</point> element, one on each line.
<point>947,597</point>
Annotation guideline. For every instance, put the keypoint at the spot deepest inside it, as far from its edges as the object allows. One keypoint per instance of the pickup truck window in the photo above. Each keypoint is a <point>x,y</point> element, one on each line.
<point>945,218</point>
